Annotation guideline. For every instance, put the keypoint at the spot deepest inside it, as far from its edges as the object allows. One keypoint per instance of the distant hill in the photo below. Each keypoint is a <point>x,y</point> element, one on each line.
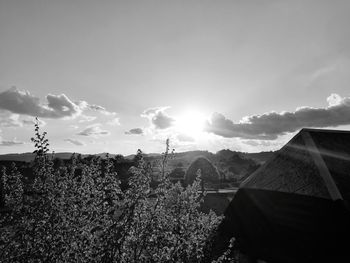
<point>260,157</point>
<point>28,157</point>
<point>18,157</point>
<point>232,166</point>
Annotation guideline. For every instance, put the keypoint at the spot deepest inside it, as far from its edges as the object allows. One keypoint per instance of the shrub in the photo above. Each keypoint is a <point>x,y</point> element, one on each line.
<point>85,217</point>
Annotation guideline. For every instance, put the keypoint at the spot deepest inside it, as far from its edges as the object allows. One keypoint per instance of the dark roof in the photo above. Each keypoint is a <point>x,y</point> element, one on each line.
<point>314,162</point>
<point>284,227</point>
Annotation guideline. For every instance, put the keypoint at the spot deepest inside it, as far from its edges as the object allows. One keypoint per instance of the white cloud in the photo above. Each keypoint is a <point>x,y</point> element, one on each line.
<point>13,142</point>
<point>94,131</point>
<point>185,138</point>
<point>114,122</point>
<point>264,143</point>
<point>32,122</point>
<point>75,142</point>
<point>8,119</point>
<point>93,107</point>
<point>75,127</point>
<point>85,118</point>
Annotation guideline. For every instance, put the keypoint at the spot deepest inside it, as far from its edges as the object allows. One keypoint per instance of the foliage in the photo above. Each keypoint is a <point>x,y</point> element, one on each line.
<point>71,216</point>
<point>11,186</point>
<point>161,225</point>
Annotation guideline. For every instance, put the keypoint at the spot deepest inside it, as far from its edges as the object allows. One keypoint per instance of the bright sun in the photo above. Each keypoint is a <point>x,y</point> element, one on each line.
<point>191,123</point>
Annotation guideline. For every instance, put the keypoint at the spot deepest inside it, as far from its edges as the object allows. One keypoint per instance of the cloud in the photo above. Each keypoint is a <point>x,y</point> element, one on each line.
<point>114,122</point>
<point>93,131</point>
<point>334,100</point>
<point>22,102</point>
<point>56,106</point>
<point>8,119</point>
<point>158,118</point>
<point>32,122</point>
<point>96,107</point>
<point>75,142</point>
<point>13,142</point>
<point>137,131</point>
<point>93,107</point>
<point>185,138</point>
<point>86,118</point>
<point>261,143</point>
<point>269,126</point>
<point>75,127</point>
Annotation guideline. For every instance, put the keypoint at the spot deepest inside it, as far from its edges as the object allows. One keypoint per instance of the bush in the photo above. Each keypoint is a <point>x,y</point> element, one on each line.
<point>85,217</point>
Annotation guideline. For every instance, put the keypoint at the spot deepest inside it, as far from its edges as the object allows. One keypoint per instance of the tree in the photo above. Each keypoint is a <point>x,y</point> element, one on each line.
<point>11,186</point>
<point>86,217</point>
<point>161,225</point>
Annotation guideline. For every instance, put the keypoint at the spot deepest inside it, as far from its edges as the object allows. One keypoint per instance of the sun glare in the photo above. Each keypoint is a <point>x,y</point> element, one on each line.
<point>191,123</point>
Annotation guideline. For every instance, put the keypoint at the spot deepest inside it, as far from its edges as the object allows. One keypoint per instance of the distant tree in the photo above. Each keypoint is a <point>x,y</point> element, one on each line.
<point>179,165</point>
<point>138,157</point>
<point>57,163</point>
<point>177,173</point>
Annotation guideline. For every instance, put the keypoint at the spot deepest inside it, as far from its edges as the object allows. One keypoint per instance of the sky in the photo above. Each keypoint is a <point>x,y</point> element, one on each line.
<point>117,76</point>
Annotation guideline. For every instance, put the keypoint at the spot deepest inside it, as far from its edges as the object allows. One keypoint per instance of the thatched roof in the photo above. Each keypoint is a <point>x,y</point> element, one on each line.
<point>315,162</point>
<point>295,208</point>
<point>283,227</point>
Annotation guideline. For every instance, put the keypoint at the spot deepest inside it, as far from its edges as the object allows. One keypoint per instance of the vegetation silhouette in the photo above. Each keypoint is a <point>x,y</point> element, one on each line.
<point>77,212</point>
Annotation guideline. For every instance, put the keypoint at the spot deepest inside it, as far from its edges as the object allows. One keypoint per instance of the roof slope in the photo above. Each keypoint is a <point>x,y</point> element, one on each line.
<point>284,227</point>
<point>314,162</point>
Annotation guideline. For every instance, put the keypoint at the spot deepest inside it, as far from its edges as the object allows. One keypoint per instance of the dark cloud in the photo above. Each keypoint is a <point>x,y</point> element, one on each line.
<point>94,131</point>
<point>22,102</point>
<point>75,142</point>
<point>137,131</point>
<point>162,121</point>
<point>158,118</point>
<point>56,106</point>
<point>269,126</point>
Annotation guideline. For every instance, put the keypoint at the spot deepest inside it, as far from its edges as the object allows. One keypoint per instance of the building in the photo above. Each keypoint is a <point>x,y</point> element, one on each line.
<point>295,208</point>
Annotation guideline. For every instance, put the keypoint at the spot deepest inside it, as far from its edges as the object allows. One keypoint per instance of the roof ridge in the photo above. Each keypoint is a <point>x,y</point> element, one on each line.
<point>323,130</point>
